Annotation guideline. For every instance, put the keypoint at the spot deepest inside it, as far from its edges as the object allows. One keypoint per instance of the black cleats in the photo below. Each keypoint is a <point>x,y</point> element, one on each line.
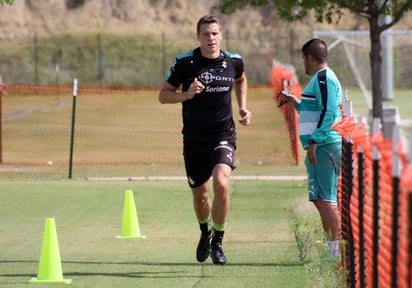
<point>203,248</point>
<point>218,257</point>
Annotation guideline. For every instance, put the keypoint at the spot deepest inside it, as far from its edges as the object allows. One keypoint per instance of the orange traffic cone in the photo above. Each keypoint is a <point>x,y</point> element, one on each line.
<point>130,222</point>
<point>50,267</point>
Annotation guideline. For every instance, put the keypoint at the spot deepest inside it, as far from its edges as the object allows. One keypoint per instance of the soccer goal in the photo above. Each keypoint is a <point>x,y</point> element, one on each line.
<point>352,61</point>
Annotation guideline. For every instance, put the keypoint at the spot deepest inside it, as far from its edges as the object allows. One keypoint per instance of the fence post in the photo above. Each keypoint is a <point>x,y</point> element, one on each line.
<point>375,217</point>
<point>361,187</point>
<point>100,64</point>
<point>410,211</point>
<point>396,171</point>
<point>391,131</point>
<point>347,190</point>
<point>75,87</point>
<point>163,55</point>
<point>36,60</point>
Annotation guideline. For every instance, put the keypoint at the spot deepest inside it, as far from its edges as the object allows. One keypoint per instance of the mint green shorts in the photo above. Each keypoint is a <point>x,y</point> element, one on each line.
<point>323,177</point>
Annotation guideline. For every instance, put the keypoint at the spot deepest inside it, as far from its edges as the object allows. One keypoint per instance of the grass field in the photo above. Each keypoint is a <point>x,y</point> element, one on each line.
<point>260,243</point>
<point>400,100</point>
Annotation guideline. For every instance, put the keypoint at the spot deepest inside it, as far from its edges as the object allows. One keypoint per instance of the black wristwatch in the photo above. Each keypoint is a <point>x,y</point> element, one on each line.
<point>310,141</point>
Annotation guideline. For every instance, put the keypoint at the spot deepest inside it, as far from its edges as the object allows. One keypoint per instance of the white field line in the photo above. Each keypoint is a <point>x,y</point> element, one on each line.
<point>156,178</point>
<point>25,113</point>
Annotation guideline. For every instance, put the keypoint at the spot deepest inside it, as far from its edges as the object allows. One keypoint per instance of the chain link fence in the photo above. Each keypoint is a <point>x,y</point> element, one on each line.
<point>121,130</point>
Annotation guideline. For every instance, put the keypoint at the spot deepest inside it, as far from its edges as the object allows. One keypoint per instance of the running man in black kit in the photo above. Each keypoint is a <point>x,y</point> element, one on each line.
<point>206,76</point>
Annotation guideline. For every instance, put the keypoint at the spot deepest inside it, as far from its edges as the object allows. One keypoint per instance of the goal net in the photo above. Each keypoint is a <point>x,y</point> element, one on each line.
<point>350,59</point>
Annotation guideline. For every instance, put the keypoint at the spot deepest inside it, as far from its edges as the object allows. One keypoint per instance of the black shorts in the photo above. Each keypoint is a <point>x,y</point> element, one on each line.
<point>202,156</point>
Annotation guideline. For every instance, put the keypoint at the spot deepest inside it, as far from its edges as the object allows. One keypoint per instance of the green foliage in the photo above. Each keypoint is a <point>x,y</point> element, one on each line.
<point>93,58</point>
<point>327,271</point>
<point>306,237</point>
<point>10,2</point>
<point>324,10</point>
<point>230,6</point>
<point>73,4</point>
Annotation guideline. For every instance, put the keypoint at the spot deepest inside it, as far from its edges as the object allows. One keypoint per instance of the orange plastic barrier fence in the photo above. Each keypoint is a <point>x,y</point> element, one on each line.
<point>404,268</point>
<point>284,79</point>
<point>361,210</point>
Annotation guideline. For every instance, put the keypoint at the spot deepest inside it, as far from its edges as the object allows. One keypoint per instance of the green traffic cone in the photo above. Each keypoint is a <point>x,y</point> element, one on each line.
<point>50,267</point>
<point>130,222</point>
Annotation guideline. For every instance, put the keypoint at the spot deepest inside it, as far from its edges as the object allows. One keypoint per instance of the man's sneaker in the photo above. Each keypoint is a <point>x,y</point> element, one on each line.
<point>217,254</point>
<point>203,248</point>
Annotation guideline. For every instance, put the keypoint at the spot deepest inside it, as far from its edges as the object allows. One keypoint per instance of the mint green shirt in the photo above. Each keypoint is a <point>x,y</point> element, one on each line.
<point>319,108</point>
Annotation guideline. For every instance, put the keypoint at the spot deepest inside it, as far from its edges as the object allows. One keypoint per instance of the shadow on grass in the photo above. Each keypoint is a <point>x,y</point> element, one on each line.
<point>148,274</point>
<point>288,264</point>
<point>157,275</point>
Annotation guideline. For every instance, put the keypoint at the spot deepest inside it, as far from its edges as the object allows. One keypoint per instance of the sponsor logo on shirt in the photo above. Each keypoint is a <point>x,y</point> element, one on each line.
<point>207,77</point>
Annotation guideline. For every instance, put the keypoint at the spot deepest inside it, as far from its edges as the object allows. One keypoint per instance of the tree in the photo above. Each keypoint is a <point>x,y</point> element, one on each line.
<point>6,2</point>
<point>328,10</point>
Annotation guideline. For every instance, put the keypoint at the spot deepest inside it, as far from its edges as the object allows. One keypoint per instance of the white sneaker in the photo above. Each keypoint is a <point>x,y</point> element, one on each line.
<point>333,248</point>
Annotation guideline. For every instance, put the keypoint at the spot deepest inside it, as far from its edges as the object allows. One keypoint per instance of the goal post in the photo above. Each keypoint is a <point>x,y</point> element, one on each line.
<point>356,46</point>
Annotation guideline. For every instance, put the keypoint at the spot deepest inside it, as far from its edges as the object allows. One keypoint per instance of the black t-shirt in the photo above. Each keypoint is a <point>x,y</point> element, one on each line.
<point>211,110</point>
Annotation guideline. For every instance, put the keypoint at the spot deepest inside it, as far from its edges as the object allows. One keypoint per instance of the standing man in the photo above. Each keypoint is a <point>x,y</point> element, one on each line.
<point>318,110</point>
<point>206,76</point>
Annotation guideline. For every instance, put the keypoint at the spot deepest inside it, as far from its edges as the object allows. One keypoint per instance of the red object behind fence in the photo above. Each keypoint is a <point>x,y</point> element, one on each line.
<point>284,79</point>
